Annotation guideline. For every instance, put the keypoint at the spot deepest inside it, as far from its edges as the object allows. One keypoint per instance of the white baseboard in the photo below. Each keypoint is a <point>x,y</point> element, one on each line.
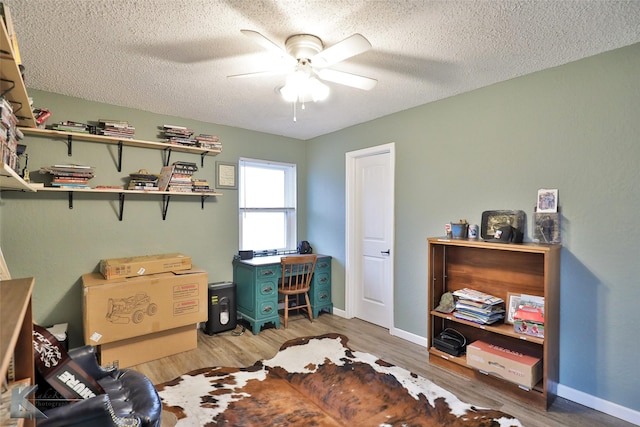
<point>416,339</point>
<point>340,313</point>
<point>580,397</point>
<point>599,404</point>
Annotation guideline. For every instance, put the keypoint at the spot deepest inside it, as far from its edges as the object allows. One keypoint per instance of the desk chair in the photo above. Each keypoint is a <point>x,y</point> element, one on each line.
<point>297,272</point>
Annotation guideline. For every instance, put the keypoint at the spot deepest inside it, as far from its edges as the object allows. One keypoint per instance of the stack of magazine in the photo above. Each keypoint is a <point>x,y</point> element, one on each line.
<point>179,135</point>
<point>116,128</point>
<point>210,142</point>
<point>143,181</point>
<point>71,126</point>
<point>69,176</point>
<point>478,307</point>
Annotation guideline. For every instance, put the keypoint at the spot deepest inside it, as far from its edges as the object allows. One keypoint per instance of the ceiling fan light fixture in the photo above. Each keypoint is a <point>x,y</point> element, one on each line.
<point>318,90</point>
<point>301,87</point>
<point>288,93</point>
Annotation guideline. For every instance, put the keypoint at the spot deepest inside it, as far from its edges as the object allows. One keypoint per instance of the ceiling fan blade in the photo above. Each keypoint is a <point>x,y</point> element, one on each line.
<point>347,79</point>
<point>263,41</point>
<point>351,46</point>
<point>259,73</point>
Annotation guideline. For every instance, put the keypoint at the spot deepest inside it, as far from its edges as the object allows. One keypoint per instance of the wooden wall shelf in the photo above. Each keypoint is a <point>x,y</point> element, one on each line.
<point>10,180</point>
<point>121,142</point>
<point>166,196</point>
<point>11,83</point>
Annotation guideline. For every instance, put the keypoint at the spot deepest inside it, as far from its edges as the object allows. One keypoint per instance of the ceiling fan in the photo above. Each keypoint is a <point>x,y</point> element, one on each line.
<point>306,61</point>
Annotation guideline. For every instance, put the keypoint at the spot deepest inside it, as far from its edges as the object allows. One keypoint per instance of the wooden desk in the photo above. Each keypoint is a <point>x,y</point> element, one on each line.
<point>257,289</point>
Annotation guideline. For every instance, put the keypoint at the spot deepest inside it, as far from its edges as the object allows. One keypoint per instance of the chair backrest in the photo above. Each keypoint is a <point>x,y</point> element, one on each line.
<point>297,272</point>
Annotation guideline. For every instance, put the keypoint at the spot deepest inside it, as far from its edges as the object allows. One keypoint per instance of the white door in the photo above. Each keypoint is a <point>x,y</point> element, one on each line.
<point>370,209</point>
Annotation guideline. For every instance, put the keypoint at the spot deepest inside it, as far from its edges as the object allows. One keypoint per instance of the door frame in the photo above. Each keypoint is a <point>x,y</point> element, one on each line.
<point>352,251</point>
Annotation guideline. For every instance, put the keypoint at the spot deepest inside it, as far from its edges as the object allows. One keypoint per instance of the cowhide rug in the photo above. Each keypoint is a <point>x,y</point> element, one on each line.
<point>318,381</point>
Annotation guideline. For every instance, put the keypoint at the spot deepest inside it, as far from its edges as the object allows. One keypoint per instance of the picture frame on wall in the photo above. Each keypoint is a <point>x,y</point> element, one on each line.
<point>226,176</point>
<point>513,302</point>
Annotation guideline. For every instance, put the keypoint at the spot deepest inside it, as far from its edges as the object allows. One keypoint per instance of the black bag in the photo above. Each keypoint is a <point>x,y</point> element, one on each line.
<point>304,247</point>
<point>451,342</point>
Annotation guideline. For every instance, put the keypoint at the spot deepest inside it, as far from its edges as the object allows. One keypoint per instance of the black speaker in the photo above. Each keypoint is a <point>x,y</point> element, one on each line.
<point>222,307</point>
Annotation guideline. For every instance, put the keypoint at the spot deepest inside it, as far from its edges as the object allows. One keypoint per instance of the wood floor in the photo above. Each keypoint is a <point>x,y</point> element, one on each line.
<point>225,349</point>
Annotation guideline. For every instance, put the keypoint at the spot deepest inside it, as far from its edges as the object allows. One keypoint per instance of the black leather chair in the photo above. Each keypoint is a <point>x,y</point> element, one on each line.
<point>130,398</point>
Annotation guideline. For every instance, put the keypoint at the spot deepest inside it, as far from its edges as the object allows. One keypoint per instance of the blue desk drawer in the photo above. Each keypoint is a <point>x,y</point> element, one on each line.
<point>322,279</point>
<point>323,264</point>
<point>267,309</point>
<point>267,272</point>
<point>267,288</point>
<point>322,296</point>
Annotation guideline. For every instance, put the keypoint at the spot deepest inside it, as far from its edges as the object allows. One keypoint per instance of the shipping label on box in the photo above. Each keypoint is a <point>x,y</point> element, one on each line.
<point>507,360</point>
<point>117,268</point>
<point>114,310</point>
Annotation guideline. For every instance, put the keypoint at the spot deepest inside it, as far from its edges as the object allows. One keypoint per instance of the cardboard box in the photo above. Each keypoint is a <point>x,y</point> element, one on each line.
<point>117,268</point>
<point>114,310</point>
<point>134,351</point>
<point>507,360</point>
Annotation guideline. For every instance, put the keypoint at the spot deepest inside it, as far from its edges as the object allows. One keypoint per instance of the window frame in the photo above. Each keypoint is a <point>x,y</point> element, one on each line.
<point>290,193</point>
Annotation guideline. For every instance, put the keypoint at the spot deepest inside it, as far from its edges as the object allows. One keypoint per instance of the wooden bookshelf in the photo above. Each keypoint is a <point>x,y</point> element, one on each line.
<point>497,269</point>
<point>16,330</point>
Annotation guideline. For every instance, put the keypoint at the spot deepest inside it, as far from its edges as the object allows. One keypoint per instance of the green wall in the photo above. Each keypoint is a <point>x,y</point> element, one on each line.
<point>575,128</point>
<point>42,237</point>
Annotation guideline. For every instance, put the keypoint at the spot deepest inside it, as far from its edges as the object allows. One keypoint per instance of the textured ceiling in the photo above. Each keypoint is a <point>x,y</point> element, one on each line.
<point>173,56</point>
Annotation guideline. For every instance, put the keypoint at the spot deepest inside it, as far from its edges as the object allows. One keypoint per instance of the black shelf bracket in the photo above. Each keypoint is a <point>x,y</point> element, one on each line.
<point>165,205</point>
<point>70,193</point>
<point>9,89</point>
<point>202,198</point>
<point>121,210</point>
<point>202,156</point>
<point>69,145</point>
<point>168,156</point>
<point>119,165</point>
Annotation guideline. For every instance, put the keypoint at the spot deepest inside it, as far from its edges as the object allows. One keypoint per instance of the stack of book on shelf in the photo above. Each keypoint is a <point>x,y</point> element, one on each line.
<point>179,135</point>
<point>177,177</point>
<point>116,128</point>
<point>144,181</point>
<point>201,185</point>
<point>478,307</point>
<point>9,134</point>
<point>210,142</point>
<point>70,126</point>
<point>70,176</point>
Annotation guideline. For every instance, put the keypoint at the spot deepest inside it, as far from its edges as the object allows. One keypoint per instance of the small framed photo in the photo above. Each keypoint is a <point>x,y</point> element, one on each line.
<point>546,228</point>
<point>226,176</point>
<point>513,302</point>
<point>547,200</point>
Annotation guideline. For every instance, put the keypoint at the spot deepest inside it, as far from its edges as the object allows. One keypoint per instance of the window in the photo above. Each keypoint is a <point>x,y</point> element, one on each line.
<point>267,192</point>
